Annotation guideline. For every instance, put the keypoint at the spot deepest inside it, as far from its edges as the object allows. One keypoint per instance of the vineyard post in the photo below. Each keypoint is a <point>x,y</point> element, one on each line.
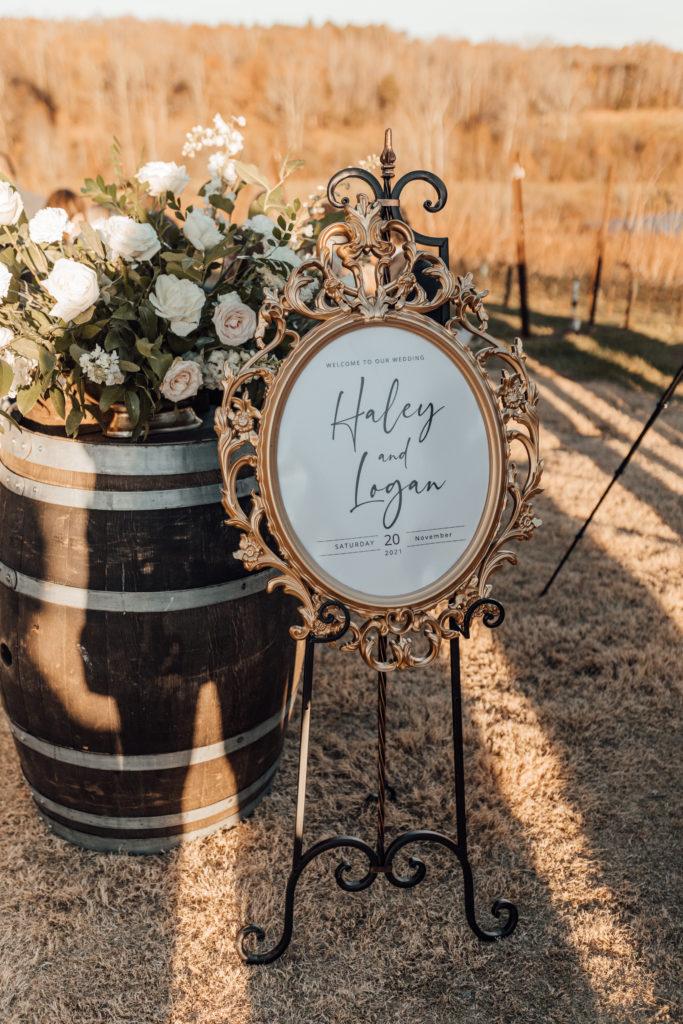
<point>517,176</point>
<point>508,286</point>
<point>576,290</point>
<point>631,296</point>
<point>602,240</point>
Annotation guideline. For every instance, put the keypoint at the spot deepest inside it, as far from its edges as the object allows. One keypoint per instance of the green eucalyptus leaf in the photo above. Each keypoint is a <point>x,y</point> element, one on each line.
<point>90,241</point>
<point>250,174</point>
<point>290,166</point>
<point>73,421</point>
<point>27,397</point>
<point>148,320</point>
<point>222,203</point>
<point>160,364</point>
<point>224,248</point>
<point>6,378</point>
<point>94,410</point>
<point>258,205</point>
<point>84,317</point>
<point>75,351</point>
<point>128,366</point>
<point>124,312</point>
<point>274,199</point>
<point>90,331</point>
<point>46,361</point>
<point>58,403</point>
<point>144,347</point>
<point>28,348</point>
<point>133,406</point>
<point>179,346</point>
<point>42,320</point>
<point>110,393</point>
<point>38,258</point>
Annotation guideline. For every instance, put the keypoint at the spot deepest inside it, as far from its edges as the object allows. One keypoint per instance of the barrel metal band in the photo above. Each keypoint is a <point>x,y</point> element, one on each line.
<point>109,459</point>
<point>152,762</point>
<point>129,601</point>
<point>118,501</point>
<point>154,820</point>
<point>157,844</point>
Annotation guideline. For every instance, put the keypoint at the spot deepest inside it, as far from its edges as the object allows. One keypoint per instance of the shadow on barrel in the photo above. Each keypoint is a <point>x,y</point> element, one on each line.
<point>146,678</point>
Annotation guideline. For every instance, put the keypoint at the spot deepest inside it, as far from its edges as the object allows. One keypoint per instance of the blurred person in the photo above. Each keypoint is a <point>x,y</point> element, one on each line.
<point>73,204</point>
<point>78,209</point>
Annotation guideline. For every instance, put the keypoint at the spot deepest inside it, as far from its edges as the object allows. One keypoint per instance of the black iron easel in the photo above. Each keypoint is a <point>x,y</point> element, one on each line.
<point>380,857</point>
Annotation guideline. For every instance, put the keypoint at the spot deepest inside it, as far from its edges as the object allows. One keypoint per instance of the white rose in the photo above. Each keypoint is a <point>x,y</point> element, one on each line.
<point>183,380</point>
<point>5,281</point>
<point>11,204</point>
<point>127,239</point>
<point>5,337</point>
<point>261,224</point>
<point>235,322</point>
<point>178,300</point>
<point>74,286</point>
<point>160,177</point>
<point>201,231</point>
<point>48,225</point>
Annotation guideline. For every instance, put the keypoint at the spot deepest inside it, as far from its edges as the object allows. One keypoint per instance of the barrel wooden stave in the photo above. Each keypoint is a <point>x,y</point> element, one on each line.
<point>90,659</point>
<point>136,696</point>
<point>89,548</point>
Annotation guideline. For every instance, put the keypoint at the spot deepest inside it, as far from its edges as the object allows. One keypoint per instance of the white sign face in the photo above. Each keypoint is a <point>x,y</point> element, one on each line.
<point>383,462</point>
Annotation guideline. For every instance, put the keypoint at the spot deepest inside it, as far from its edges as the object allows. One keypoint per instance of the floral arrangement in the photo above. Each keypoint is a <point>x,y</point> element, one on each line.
<point>142,307</point>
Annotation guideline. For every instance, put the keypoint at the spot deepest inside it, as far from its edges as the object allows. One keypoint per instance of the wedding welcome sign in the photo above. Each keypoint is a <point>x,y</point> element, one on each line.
<point>386,462</point>
<point>395,464</point>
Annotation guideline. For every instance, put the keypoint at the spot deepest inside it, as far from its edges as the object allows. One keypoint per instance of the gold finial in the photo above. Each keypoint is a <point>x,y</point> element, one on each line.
<point>387,158</point>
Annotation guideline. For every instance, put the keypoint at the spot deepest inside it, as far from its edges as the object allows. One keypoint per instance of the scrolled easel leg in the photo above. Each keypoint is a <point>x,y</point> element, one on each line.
<point>500,906</point>
<point>252,956</point>
<point>298,864</point>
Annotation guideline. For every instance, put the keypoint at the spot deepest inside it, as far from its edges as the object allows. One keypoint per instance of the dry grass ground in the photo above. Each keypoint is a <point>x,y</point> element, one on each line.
<point>572,748</point>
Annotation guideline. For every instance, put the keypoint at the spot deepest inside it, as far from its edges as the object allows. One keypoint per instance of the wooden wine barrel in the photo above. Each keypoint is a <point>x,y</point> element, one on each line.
<point>147,677</point>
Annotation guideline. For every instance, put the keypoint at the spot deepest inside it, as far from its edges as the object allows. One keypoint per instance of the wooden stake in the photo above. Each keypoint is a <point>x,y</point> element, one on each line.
<point>631,297</point>
<point>518,203</point>
<point>508,286</point>
<point>602,241</point>
<point>576,290</point>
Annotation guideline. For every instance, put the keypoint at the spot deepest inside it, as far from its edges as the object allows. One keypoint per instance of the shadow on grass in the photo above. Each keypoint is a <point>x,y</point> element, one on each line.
<point>594,939</point>
<point>606,352</point>
<point>587,404</point>
<point>384,955</point>
<point>598,665</point>
<point>637,478</point>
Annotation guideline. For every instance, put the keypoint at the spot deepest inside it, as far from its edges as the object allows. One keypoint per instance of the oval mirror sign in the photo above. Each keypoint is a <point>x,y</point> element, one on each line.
<point>384,461</point>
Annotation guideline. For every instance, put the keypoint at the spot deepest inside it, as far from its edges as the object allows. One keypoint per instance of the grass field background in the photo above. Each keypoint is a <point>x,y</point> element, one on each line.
<point>326,94</point>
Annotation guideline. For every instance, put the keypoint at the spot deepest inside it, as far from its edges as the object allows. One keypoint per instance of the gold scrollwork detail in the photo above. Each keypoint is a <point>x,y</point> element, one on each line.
<point>364,268</point>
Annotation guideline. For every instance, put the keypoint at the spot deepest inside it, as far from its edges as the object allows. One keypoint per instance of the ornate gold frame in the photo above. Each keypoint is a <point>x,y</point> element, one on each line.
<point>366,268</point>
